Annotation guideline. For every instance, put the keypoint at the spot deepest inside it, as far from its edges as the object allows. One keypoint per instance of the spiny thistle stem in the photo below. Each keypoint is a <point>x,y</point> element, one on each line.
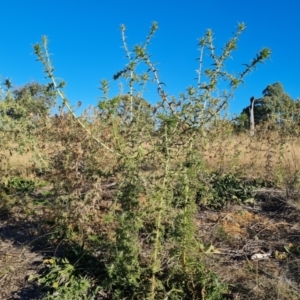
<point>44,57</point>
<point>131,68</point>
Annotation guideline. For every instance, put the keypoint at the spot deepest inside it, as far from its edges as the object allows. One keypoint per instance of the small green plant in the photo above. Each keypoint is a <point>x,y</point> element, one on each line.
<point>222,189</point>
<point>61,278</point>
<point>19,185</point>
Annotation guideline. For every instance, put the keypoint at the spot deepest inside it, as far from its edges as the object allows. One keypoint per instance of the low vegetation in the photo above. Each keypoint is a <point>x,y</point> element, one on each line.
<point>123,192</point>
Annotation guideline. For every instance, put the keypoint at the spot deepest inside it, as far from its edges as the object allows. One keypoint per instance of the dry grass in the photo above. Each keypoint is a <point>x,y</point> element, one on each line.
<point>255,157</point>
<point>252,157</point>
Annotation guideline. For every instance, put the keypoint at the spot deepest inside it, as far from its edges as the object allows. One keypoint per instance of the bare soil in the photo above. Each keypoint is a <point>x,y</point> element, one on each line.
<point>20,256</point>
<point>259,246</point>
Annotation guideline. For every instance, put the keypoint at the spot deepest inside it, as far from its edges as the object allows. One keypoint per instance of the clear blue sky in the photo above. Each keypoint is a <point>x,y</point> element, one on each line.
<point>86,46</point>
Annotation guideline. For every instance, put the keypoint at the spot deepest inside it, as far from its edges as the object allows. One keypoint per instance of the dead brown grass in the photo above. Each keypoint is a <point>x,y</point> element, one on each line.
<point>263,156</point>
<point>268,157</point>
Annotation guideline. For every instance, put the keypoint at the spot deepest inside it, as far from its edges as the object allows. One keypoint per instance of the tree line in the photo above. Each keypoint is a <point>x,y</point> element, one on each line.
<point>275,107</point>
<point>35,100</point>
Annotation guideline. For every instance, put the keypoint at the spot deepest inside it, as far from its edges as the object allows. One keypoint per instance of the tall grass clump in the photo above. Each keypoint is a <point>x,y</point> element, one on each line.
<point>148,237</point>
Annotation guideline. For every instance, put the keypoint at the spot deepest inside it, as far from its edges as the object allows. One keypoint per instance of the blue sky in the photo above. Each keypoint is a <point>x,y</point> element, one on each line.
<point>85,41</point>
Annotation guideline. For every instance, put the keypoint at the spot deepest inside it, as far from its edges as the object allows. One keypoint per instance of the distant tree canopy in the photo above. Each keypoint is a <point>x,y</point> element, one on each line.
<point>275,105</point>
<point>31,100</point>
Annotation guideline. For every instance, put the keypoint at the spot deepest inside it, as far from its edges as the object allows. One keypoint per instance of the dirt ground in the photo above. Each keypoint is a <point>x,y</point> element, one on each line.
<point>259,246</point>
<point>258,249</point>
<point>21,254</point>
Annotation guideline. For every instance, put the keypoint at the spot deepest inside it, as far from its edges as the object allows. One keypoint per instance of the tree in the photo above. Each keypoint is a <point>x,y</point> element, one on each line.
<point>241,122</point>
<point>33,100</point>
<point>275,105</point>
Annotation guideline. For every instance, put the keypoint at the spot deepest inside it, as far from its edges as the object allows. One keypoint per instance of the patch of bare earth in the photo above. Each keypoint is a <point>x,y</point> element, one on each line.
<point>259,246</point>
<point>21,255</point>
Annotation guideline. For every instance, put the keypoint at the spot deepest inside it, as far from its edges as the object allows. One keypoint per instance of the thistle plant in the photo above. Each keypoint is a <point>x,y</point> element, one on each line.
<point>154,252</point>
